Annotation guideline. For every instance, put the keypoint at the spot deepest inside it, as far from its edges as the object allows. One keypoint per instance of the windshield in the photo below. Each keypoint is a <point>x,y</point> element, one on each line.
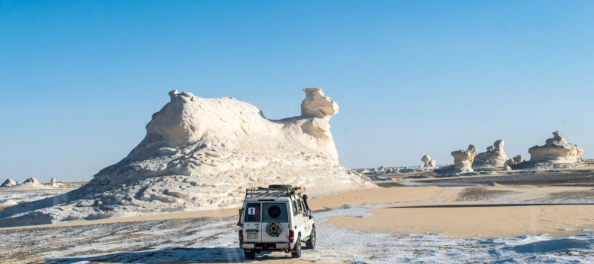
<point>274,212</point>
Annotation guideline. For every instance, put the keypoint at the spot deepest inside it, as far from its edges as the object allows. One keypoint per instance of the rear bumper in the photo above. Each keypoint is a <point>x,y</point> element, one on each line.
<point>265,246</point>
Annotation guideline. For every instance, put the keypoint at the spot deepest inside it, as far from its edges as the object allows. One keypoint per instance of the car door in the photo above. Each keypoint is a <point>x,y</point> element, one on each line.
<point>306,222</point>
<point>298,219</point>
<point>252,220</point>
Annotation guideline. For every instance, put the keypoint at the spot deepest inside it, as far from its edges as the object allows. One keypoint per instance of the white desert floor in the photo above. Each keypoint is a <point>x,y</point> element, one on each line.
<point>387,225</point>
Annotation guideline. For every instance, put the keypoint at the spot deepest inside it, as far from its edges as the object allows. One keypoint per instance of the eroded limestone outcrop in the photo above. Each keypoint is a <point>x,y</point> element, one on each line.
<point>494,157</point>
<point>201,153</point>
<point>556,150</point>
<point>8,183</point>
<point>53,182</point>
<point>463,159</point>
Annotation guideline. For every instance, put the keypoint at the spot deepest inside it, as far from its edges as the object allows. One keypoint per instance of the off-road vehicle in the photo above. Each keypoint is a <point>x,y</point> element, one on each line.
<point>276,218</point>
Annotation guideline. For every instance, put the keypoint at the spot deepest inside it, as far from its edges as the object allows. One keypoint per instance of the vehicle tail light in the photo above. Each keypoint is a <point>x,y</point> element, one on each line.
<point>291,235</point>
<point>240,235</point>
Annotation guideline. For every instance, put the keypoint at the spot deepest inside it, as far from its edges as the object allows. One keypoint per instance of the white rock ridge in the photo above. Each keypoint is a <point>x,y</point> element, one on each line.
<point>8,183</point>
<point>494,157</point>
<point>463,159</point>
<point>556,150</point>
<point>201,154</point>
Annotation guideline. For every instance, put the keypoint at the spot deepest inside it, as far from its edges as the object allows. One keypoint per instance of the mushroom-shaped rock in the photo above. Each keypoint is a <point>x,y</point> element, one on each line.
<point>8,183</point>
<point>429,163</point>
<point>53,182</point>
<point>463,159</point>
<point>556,150</point>
<point>426,159</point>
<point>494,157</point>
<point>32,180</point>
<point>18,182</point>
<point>316,104</point>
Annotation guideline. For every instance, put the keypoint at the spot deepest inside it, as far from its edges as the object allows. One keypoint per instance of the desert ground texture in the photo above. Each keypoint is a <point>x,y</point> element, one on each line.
<point>417,217</point>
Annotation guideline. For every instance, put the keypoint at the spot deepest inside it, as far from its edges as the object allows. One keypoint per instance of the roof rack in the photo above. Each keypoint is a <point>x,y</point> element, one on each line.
<point>273,192</point>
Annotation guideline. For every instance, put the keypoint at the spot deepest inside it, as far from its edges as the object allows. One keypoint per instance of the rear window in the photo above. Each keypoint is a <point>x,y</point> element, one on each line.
<point>274,212</point>
<point>252,212</point>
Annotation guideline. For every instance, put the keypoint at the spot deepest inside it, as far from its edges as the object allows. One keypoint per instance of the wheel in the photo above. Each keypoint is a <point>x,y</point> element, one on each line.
<point>249,254</point>
<point>297,250</point>
<point>311,244</point>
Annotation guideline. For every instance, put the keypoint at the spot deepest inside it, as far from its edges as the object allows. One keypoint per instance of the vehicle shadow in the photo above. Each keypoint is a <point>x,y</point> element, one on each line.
<point>168,255</point>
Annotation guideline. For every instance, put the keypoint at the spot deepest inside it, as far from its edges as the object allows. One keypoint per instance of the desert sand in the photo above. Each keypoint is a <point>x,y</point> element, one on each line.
<point>416,212</point>
<point>464,220</point>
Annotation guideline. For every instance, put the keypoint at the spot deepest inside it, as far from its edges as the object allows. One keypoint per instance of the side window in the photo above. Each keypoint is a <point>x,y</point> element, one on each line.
<point>303,208</point>
<point>298,202</point>
<point>252,212</point>
<point>295,212</point>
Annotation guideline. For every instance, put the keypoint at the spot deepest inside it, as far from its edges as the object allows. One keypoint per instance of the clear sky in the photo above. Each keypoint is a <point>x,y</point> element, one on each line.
<point>79,80</point>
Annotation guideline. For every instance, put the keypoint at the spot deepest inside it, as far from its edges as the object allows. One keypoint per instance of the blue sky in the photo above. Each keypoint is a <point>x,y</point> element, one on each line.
<point>79,80</point>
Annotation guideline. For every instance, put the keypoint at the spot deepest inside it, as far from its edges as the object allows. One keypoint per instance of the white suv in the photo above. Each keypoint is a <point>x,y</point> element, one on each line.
<point>276,218</point>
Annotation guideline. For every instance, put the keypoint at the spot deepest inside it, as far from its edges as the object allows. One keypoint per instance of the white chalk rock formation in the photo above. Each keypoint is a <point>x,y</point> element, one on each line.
<point>494,157</point>
<point>53,182</point>
<point>506,166</point>
<point>463,159</point>
<point>429,163</point>
<point>514,161</point>
<point>32,181</point>
<point>432,163</point>
<point>18,182</point>
<point>316,104</point>
<point>8,183</point>
<point>202,154</point>
<point>556,150</point>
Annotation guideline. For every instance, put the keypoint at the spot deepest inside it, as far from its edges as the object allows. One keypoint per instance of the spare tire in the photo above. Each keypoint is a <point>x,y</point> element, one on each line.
<point>280,186</point>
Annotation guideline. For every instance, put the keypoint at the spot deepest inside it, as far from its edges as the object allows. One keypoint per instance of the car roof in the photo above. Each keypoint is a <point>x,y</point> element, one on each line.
<point>267,199</point>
